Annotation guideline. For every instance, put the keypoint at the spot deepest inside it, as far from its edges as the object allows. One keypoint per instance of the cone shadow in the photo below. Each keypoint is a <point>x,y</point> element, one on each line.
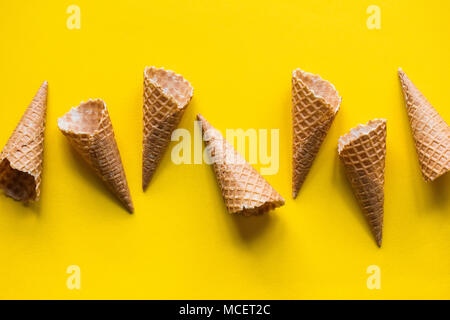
<point>250,228</point>
<point>35,207</point>
<point>24,208</point>
<point>431,196</point>
<point>166,159</point>
<point>89,175</point>
<point>155,176</point>
<point>350,200</point>
<point>440,189</point>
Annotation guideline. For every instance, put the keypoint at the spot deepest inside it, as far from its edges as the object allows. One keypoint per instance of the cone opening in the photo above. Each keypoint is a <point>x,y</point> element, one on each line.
<point>320,88</point>
<point>84,119</point>
<point>171,84</point>
<point>357,132</point>
<point>19,185</point>
<point>264,208</point>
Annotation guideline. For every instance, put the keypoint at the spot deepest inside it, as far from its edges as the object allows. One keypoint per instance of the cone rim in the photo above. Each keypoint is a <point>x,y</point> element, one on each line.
<point>264,207</point>
<point>62,122</point>
<point>14,167</point>
<point>36,193</point>
<point>316,94</point>
<point>357,132</point>
<point>176,76</point>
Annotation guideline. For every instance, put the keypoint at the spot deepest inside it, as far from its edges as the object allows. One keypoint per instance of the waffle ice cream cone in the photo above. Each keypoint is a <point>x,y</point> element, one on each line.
<point>89,130</point>
<point>363,153</point>
<point>166,96</point>
<point>431,133</point>
<point>244,190</point>
<point>315,103</point>
<point>21,158</point>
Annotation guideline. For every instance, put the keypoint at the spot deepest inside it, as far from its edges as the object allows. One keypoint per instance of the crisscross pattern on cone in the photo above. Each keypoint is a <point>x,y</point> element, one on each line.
<point>363,153</point>
<point>244,190</point>
<point>21,158</point>
<point>431,133</point>
<point>89,130</point>
<point>315,103</point>
<point>166,96</point>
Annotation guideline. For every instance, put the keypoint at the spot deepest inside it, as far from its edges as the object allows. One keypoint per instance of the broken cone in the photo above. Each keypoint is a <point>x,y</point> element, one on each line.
<point>315,103</point>
<point>363,153</point>
<point>166,96</point>
<point>244,190</point>
<point>89,130</point>
<point>21,158</point>
<point>431,133</point>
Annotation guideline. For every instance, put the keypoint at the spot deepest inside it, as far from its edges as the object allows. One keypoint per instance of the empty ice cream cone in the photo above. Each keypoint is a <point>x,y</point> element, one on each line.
<point>166,96</point>
<point>363,153</point>
<point>89,130</point>
<point>315,103</point>
<point>431,133</point>
<point>21,158</point>
<point>244,190</point>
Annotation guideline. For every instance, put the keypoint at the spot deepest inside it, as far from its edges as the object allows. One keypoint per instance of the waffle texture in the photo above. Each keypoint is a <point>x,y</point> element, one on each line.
<point>315,103</point>
<point>363,153</point>
<point>89,130</point>
<point>244,190</point>
<point>21,158</point>
<point>166,96</point>
<point>431,133</point>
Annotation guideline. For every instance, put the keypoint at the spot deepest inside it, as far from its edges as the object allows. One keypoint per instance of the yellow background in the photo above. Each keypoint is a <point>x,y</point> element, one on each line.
<point>238,55</point>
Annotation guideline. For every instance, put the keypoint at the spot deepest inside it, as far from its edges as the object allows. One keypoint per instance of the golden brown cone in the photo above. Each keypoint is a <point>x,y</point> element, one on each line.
<point>244,190</point>
<point>166,96</point>
<point>315,103</point>
<point>89,130</point>
<point>431,133</point>
<point>363,153</point>
<point>21,158</point>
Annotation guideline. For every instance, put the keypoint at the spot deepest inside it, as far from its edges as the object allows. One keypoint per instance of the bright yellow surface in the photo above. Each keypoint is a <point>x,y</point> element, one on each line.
<point>238,55</point>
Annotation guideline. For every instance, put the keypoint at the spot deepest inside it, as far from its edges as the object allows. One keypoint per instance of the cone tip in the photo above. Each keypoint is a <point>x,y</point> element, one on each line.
<point>378,236</point>
<point>147,175</point>
<point>379,242</point>
<point>205,124</point>
<point>130,207</point>
<point>43,87</point>
<point>295,71</point>
<point>200,117</point>
<point>145,183</point>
